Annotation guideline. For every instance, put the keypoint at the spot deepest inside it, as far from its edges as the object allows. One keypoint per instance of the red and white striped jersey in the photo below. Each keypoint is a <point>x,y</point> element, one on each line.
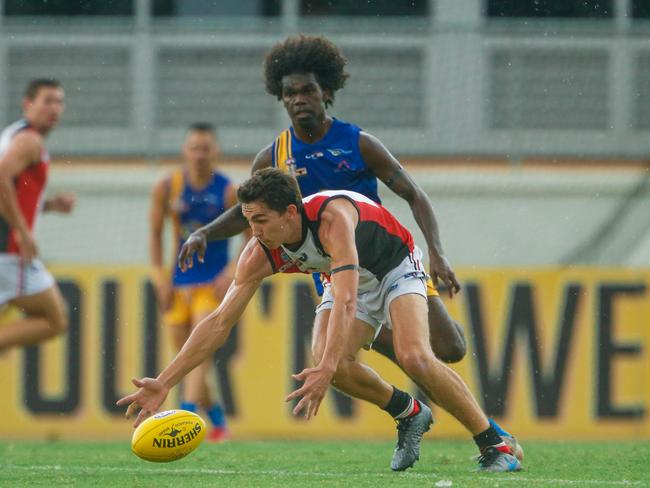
<point>382,241</point>
<point>29,183</point>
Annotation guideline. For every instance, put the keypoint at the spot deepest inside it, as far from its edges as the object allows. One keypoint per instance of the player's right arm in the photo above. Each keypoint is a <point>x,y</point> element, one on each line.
<point>208,336</point>
<point>25,149</point>
<point>157,214</point>
<point>228,224</point>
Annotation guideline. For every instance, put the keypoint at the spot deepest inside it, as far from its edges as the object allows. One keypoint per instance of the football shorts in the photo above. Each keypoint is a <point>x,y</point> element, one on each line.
<point>18,278</point>
<point>190,302</point>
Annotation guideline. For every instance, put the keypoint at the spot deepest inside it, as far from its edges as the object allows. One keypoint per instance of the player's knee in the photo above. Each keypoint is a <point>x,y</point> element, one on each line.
<point>451,351</point>
<point>60,319</point>
<point>417,362</point>
<point>447,336</point>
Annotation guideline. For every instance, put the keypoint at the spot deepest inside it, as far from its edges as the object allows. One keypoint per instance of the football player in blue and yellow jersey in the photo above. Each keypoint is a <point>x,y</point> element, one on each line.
<point>325,153</point>
<point>191,197</point>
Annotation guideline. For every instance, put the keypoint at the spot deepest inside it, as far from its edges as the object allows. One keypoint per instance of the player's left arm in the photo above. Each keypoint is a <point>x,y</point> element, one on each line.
<point>386,167</point>
<point>337,235</point>
<point>206,337</point>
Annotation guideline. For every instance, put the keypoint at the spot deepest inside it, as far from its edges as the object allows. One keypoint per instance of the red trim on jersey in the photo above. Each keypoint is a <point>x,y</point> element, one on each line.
<point>29,184</point>
<point>368,212</point>
<point>20,283</point>
<point>279,260</point>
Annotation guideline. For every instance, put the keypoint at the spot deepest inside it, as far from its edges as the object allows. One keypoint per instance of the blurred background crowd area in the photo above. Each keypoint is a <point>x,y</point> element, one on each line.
<point>526,121</point>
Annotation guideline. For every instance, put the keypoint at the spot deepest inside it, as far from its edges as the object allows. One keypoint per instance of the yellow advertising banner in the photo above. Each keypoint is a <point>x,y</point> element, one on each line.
<point>551,353</point>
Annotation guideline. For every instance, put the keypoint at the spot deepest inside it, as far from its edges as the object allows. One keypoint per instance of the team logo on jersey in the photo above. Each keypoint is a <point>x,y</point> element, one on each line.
<point>338,152</point>
<point>315,155</point>
<point>342,166</point>
<point>303,257</point>
<point>293,169</point>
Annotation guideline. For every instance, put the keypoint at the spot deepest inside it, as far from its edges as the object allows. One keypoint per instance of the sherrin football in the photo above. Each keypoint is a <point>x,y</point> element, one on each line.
<point>168,436</point>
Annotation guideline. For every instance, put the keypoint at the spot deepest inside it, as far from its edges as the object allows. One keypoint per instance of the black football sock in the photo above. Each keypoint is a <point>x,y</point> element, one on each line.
<point>490,438</point>
<point>402,405</point>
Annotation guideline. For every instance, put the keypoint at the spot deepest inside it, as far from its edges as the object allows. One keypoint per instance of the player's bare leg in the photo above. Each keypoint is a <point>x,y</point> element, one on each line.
<point>440,383</point>
<point>358,380</point>
<point>46,316</point>
<point>352,377</point>
<point>447,338</point>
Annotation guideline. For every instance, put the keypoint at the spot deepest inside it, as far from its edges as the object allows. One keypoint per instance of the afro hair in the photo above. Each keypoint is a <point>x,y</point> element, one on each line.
<point>305,54</point>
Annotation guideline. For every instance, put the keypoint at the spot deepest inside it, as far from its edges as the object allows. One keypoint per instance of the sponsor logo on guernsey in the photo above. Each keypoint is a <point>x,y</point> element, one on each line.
<point>338,152</point>
<point>315,155</point>
<point>180,434</point>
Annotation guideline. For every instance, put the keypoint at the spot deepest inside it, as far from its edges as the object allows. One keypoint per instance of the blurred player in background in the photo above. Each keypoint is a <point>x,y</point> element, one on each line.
<point>374,276</point>
<point>192,196</point>
<point>25,283</point>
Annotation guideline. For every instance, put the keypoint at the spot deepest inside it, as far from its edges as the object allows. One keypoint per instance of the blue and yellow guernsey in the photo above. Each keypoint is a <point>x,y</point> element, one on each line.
<point>332,163</point>
<point>191,209</point>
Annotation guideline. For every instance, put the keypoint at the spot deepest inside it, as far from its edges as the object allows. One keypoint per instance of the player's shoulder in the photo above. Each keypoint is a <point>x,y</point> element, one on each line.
<point>264,158</point>
<point>26,146</point>
<point>368,140</point>
<point>253,262</point>
<point>27,138</point>
<point>337,206</point>
<point>170,174</point>
<point>373,151</point>
<point>220,177</point>
<point>167,180</point>
<point>346,125</point>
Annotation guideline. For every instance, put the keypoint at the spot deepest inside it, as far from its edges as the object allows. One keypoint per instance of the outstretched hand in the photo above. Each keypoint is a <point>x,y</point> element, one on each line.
<point>440,269</point>
<point>195,243</point>
<point>316,381</point>
<point>147,399</point>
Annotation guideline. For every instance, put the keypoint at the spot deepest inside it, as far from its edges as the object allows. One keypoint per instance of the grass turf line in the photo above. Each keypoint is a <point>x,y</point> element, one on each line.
<point>318,463</point>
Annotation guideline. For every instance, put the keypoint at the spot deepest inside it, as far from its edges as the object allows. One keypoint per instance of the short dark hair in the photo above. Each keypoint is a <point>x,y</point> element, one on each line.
<point>202,127</point>
<point>305,54</point>
<point>31,92</point>
<point>275,188</point>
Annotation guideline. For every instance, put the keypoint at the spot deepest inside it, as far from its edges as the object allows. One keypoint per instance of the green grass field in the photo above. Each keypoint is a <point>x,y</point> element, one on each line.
<point>304,463</point>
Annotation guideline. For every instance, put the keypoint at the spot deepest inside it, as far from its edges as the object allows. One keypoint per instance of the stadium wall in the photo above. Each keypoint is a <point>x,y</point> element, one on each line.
<point>555,352</point>
<point>453,84</point>
<point>490,213</point>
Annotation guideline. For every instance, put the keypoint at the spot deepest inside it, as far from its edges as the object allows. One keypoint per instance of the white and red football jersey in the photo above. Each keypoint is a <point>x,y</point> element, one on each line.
<point>382,241</point>
<point>29,183</point>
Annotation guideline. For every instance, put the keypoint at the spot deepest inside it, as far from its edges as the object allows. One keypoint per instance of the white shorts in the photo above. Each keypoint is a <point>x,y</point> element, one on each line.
<point>19,279</point>
<point>373,307</point>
